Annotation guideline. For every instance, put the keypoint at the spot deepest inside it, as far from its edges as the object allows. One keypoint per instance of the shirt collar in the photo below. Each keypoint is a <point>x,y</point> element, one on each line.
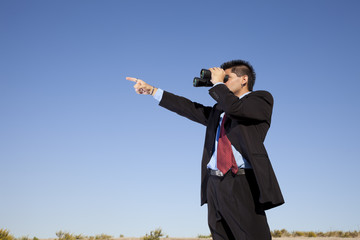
<point>244,95</point>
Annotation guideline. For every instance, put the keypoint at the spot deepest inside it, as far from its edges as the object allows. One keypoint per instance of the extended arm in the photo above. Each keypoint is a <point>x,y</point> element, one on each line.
<point>182,106</point>
<point>186,108</point>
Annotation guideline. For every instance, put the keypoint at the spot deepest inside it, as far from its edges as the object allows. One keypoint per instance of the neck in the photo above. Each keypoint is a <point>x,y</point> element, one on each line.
<point>241,92</point>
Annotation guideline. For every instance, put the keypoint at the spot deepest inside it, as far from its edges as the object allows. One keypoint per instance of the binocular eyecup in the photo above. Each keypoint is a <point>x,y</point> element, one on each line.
<point>204,79</point>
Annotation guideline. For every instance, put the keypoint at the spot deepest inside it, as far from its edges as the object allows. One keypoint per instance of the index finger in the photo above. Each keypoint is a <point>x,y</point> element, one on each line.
<point>131,79</point>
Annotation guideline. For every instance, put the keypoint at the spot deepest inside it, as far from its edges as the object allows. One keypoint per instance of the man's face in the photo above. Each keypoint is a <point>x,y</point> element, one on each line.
<point>234,83</point>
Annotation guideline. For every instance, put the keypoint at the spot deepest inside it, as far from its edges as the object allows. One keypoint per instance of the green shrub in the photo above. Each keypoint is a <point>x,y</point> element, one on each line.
<point>276,233</point>
<point>103,237</point>
<point>5,235</point>
<point>69,236</point>
<point>311,234</point>
<point>298,234</point>
<point>204,236</point>
<point>23,238</point>
<point>350,234</point>
<point>280,233</point>
<point>285,233</point>
<point>154,235</point>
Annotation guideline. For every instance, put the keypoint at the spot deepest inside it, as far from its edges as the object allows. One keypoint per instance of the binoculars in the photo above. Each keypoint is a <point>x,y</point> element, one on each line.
<point>204,79</point>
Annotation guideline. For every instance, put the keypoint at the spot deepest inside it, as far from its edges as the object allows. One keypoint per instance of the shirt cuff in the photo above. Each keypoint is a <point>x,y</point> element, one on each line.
<point>158,95</point>
<point>218,83</point>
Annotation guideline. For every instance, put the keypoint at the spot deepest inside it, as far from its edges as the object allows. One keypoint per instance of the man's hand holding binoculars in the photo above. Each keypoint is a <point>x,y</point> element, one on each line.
<point>217,75</point>
<point>210,77</point>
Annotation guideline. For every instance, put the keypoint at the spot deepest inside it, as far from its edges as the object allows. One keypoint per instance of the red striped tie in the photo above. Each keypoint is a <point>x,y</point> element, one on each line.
<point>225,156</point>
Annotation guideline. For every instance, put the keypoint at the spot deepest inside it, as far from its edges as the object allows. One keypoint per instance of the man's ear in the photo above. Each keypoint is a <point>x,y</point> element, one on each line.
<point>244,80</point>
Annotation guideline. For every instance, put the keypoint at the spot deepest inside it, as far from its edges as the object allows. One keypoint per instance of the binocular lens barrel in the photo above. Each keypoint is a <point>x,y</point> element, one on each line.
<point>205,74</point>
<point>199,82</point>
<point>204,80</point>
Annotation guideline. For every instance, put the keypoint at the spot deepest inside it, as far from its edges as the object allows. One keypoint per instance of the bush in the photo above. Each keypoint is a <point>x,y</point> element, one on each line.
<point>103,237</point>
<point>280,233</point>
<point>298,234</point>
<point>350,234</point>
<point>154,235</point>
<point>23,238</point>
<point>5,235</point>
<point>276,233</point>
<point>338,234</point>
<point>204,236</point>
<point>69,236</point>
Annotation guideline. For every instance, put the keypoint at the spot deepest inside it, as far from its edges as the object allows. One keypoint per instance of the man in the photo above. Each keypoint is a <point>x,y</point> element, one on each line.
<point>237,180</point>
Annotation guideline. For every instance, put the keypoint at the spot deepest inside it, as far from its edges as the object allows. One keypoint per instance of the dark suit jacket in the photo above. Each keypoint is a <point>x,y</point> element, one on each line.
<point>248,120</point>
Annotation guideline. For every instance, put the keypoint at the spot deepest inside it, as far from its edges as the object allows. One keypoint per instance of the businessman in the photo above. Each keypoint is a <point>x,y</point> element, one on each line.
<point>237,180</point>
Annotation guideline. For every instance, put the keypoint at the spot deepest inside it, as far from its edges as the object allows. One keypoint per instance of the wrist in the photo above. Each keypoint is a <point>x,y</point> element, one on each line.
<point>153,91</point>
<point>216,81</point>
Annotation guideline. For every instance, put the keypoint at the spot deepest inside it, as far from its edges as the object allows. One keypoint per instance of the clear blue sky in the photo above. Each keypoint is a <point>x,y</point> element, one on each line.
<point>81,152</point>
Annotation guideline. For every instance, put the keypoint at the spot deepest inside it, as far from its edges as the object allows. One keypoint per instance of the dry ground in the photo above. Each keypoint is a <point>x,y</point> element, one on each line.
<point>283,238</point>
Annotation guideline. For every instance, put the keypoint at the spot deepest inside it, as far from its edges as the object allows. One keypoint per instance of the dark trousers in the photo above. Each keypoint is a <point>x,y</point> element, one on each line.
<point>232,208</point>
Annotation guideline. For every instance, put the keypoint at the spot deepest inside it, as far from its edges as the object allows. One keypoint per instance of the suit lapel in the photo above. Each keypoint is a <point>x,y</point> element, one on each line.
<point>216,118</point>
<point>211,131</point>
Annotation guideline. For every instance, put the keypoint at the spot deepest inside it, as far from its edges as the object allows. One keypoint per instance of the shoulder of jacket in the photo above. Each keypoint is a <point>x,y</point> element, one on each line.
<point>262,94</point>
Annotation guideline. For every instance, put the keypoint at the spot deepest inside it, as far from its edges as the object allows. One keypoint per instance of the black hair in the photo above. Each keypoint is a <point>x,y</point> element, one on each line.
<point>241,68</point>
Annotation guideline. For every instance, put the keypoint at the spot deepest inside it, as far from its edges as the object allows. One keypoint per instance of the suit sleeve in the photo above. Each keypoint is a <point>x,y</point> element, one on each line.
<point>186,108</point>
<point>254,106</point>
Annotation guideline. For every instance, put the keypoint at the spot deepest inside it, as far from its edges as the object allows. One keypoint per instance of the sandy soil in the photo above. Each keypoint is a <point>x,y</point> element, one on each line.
<point>313,238</point>
<point>283,238</point>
